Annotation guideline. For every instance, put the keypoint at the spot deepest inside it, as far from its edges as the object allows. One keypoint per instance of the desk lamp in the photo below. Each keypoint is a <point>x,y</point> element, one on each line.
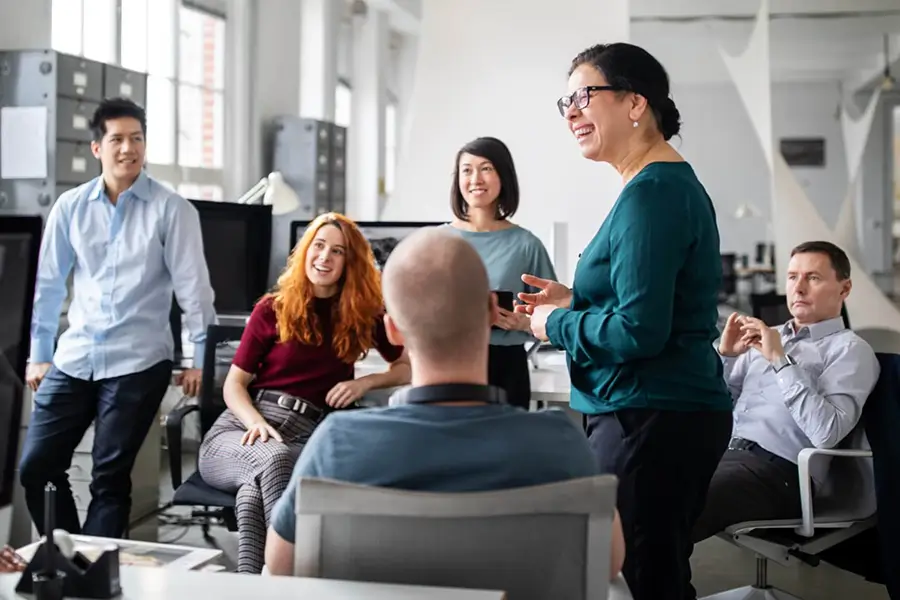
<point>274,191</point>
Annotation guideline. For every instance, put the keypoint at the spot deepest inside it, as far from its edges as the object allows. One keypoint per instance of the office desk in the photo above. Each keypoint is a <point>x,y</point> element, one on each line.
<point>143,583</point>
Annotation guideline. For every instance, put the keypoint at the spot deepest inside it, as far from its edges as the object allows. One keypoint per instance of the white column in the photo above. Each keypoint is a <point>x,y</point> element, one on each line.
<point>239,28</point>
<point>366,138</point>
<point>275,81</point>
<point>25,25</point>
<point>319,25</point>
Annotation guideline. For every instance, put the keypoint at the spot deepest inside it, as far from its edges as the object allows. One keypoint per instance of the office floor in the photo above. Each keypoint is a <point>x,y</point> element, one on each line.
<point>717,565</point>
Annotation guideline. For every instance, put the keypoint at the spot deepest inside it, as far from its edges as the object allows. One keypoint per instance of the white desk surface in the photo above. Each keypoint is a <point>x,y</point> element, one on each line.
<point>549,382</point>
<point>145,583</point>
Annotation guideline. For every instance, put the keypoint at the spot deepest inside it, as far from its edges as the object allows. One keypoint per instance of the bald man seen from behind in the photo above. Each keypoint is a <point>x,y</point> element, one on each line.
<point>448,431</point>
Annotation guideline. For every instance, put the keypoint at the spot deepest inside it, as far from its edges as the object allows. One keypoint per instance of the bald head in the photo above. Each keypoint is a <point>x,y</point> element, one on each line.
<point>437,293</point>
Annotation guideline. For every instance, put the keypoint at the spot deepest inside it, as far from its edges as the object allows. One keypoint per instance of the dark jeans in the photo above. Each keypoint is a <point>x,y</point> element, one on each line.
<point>664,461</point>
<point>749,486</point>
<point>122,409</point>
<point>508,369</point>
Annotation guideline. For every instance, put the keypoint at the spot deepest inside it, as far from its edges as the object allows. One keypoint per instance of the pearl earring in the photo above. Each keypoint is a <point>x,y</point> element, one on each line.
<point>635,123</point>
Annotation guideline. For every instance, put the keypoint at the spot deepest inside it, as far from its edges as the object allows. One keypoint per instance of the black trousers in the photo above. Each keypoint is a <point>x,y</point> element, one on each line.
<point>749,485</point>
<point>122,409</point>
<point>508,369</point>
<point>664,461</point>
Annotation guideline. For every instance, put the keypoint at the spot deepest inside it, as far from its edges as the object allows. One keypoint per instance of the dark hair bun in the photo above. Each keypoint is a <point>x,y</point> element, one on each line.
<point>670,119</point>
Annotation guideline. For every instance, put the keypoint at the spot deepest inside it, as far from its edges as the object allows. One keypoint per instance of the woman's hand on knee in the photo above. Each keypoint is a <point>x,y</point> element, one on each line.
<point>261,431</point>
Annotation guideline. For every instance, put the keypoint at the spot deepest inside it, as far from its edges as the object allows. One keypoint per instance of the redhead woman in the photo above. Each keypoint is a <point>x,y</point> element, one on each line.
<point>294,365</point>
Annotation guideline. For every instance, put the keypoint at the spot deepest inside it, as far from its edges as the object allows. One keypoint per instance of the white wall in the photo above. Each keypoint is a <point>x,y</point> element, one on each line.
<point>481,71</point>
<point>718,139</point>
<point>25,25</point>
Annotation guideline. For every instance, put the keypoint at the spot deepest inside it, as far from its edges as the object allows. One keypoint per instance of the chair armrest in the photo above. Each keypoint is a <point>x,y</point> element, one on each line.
<point>173,423</point>
<point>808,528</point>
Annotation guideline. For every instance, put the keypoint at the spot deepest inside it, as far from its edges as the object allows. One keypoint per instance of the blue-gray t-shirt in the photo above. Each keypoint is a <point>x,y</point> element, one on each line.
<point>440,448</point>
<point>507,254</point>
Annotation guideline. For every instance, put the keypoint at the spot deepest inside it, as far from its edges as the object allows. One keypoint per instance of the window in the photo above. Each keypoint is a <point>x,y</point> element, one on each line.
<point>182,50</point>
<point>390,147</point>
<point>201,75</point>
<point>342,104</point>
<point>85,28</point>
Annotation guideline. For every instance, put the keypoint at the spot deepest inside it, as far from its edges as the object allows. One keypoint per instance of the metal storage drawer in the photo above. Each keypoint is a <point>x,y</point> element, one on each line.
<point>338,195</point>
<point>73,119</point>
<point>119,83</point>
<point>78,77</point>
<point>74,163</point>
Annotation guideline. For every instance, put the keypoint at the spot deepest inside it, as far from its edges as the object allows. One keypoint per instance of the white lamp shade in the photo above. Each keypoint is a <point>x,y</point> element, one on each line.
<point>280,195</point>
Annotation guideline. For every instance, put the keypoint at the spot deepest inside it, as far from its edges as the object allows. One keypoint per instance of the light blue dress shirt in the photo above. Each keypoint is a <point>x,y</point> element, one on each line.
<point>814,403</point>
<point>127,260</point>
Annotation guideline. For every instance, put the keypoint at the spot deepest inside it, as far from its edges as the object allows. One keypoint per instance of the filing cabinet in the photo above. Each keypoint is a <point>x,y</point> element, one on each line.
<point>121,83</point>
<point>69,89</point>
<point>76,77</point>
<point>311,155</point>
<point>73,119</point>
<point>75,163</point>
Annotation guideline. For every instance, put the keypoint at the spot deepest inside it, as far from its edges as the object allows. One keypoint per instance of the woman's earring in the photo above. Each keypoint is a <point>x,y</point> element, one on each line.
<point>635,123</point>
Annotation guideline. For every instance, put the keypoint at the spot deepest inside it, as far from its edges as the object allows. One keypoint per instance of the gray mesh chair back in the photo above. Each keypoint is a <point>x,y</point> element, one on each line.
<point>546,541</point>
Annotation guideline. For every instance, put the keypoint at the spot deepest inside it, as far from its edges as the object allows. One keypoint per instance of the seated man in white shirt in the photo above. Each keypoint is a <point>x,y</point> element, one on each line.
<point>441,309</point>
<point>800,385</point>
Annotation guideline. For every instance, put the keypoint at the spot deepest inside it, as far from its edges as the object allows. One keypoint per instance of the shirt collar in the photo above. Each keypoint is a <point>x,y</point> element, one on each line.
<point>139,189</point>
<point>817,331</point>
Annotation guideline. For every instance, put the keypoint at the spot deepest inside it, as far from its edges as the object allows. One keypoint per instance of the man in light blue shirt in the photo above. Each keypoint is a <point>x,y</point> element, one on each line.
<point>129,243</point>
<point>800,385</point>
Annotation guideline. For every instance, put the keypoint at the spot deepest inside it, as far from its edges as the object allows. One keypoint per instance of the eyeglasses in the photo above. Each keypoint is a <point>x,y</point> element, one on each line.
<point>582,97</point>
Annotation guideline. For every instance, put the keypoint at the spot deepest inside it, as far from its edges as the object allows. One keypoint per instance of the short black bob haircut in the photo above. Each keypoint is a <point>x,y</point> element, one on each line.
<point>495,151</point>
<point>116,108</point>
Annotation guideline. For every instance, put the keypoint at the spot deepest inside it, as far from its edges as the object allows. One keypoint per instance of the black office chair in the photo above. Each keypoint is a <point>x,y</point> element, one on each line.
<point>773,310</point>
<point>195,491</point>
<point>729,276</point>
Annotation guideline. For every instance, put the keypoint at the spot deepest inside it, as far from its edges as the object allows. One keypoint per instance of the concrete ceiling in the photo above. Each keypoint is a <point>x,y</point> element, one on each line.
<point>811,40</point>
<point>802,49</point>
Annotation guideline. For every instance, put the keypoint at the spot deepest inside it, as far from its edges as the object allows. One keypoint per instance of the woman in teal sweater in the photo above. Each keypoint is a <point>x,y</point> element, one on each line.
<point>639,323</point>
<point>484,195</point>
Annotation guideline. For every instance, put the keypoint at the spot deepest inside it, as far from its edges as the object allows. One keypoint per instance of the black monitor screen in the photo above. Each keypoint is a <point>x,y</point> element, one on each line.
<point>383,236</point>
<point>19,247</point>
<point>236,242</point>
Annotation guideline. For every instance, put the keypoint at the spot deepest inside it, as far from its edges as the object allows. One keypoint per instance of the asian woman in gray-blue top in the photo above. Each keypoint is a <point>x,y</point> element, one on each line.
<point>484,195</point>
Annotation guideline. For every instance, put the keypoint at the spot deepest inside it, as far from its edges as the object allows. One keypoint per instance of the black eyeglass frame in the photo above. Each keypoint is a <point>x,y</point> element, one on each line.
<point>565,102</point>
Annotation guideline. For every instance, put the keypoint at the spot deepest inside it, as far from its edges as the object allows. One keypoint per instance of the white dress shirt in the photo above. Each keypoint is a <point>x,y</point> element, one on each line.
<point>814,403</point>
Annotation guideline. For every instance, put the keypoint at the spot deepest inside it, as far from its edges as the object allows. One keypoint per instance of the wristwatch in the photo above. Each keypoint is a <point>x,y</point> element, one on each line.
<point>782,362</point>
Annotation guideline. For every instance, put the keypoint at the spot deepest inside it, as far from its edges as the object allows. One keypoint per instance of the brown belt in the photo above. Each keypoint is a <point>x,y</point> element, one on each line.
<point>292,403</point>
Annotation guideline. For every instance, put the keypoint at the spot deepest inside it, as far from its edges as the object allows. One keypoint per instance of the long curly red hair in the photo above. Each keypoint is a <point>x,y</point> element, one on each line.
<point>359,298</point>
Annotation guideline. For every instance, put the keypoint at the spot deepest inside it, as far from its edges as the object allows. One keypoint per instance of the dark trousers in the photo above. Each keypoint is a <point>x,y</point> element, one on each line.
<point>508,369</point>
<point>664,461</point>
<point>749,485</point>
<point>122,409</point>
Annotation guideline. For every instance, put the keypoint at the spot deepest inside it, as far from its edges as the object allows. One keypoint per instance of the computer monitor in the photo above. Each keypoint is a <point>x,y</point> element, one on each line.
<point>236,244</point>
<point>383,236</point>
<point>20,239</point>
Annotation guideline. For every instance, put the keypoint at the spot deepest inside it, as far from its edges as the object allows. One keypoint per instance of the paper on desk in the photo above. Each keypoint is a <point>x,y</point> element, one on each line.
<point>23,142</point>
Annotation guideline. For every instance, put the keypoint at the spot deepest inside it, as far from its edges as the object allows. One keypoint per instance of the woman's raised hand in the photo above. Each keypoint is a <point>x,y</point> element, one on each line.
<point>551,292</point>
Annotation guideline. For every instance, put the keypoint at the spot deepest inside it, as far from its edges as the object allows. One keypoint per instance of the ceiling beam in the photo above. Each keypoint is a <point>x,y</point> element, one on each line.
<point>748,9</point>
